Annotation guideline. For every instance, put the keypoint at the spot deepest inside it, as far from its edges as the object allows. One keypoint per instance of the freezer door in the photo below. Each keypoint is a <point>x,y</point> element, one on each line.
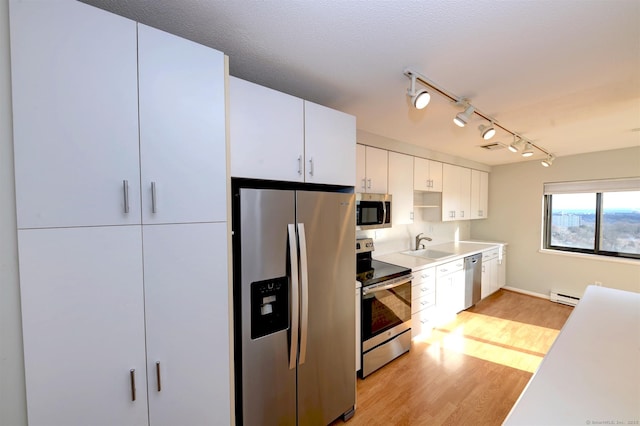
<point>326,375</point>
<point>268,383</point>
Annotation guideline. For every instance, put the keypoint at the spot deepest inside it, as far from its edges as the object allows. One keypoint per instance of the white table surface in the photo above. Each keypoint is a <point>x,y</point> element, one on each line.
<point>591,374</point>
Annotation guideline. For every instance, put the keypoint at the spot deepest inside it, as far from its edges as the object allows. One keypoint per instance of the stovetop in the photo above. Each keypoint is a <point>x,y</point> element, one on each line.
<point>373,271</point>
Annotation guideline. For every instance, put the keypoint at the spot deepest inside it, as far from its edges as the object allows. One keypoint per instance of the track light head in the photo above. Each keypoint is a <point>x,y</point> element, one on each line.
<point>528,150</point>
<point>487,132</point>
<point>419,99</point>
<point>462,118</point>
<point>548,161</point>
<point>514,145</point>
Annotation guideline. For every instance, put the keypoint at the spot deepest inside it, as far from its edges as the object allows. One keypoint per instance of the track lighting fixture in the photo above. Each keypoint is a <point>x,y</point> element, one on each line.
<point>419,99</point>
<point>548,161</point>
<point>462,118</point>
<point>487,132</point>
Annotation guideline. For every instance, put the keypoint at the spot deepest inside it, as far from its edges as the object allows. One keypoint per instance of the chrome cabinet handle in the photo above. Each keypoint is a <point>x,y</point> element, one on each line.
<point>364,183</point>
<point>300,164</point>
<point>125,190</point>
<point>461,213</point>
<point>304,293</point>
<point>154,208</point>
<point>295,307</point>
<point>132,376</point>
<point>311,167</point>
<point>158,376</point>
<point>369,182</point>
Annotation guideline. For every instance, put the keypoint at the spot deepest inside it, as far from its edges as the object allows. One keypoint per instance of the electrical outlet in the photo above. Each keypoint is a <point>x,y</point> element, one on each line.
<point>598,283</point>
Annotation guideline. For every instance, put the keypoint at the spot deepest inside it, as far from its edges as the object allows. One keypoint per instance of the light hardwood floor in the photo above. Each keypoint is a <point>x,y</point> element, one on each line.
<point>467,372</point>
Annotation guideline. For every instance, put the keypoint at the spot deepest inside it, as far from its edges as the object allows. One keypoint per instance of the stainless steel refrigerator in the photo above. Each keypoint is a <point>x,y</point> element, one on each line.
<point>294,307</point>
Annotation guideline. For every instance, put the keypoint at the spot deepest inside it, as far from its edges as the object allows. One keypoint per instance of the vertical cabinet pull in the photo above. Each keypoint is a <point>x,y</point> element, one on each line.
<point>125,191</point>
<point>153,198</point>
<point>311,167</point>
<point>158,376</point>
<point>132,375</point>
<point>300,164</point>
<point>364,183</point>
<point>369,183</point>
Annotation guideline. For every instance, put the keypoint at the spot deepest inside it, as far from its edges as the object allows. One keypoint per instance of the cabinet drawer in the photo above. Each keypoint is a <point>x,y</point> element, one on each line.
<point>449,267</point>
<point>423,322</point>
<point>422,289</point>
<point>424,275</point>
<point>424,302</point>
<point>490,254</point>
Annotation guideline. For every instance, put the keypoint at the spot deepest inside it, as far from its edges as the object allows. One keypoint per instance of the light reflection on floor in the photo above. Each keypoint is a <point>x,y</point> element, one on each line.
<point>510,343</point>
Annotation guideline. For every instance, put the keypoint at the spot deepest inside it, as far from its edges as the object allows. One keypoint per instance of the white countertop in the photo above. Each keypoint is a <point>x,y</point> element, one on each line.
<point>457,249</point>
<point>591,374</point>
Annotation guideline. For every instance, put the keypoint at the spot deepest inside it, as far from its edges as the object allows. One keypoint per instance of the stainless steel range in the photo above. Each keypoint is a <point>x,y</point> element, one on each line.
<point>385,311</point>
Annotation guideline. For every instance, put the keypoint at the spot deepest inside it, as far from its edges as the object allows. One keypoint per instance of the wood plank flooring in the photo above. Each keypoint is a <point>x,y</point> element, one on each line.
<point>467,372</point>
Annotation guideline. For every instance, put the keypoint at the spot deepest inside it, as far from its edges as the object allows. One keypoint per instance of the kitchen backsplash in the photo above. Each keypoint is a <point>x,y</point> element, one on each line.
<point>402,237</point>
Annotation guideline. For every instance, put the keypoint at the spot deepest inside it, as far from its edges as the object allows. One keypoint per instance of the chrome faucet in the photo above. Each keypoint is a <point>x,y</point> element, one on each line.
<point>419,239</point>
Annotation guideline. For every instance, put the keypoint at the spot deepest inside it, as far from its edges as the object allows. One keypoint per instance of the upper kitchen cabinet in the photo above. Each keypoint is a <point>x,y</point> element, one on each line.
<point>427,175</point>
<point>330,145</point>
<point>479,194</point>
<point>281,137</point>
<point>371,169</point>
<point>75,115</point>
<point>182,129</point>
<point>401,187</point>
<point>456,193</point>
<point>100,103</point>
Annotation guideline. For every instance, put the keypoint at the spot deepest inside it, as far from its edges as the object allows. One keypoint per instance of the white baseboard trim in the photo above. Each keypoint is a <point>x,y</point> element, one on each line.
<point>527,292</point>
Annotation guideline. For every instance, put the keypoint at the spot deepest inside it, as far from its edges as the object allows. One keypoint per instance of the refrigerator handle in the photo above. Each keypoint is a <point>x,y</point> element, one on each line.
<point>295,287</point>
<point>304,293</point>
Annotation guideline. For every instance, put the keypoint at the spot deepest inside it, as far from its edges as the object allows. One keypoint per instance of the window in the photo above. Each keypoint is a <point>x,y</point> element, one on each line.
<point>593,217</point>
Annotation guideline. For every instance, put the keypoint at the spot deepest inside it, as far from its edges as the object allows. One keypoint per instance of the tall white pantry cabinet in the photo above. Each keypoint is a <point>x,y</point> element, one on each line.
<point>119,142</point>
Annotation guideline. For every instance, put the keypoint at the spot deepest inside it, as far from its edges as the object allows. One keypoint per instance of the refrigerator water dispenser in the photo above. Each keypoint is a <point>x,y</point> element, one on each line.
<point>269,306</point>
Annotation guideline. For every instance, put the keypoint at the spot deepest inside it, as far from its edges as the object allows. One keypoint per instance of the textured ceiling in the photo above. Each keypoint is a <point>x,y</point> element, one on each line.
<point>564,74</point>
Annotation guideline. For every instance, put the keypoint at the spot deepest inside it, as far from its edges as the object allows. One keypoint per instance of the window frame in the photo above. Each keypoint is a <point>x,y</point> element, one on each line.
<point>547,222</point>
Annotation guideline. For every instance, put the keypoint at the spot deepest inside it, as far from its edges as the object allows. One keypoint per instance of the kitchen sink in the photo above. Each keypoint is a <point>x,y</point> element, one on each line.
<point>428,253</point>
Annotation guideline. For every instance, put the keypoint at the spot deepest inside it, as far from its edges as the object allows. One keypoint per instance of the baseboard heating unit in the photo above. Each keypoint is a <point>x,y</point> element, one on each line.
<point>563,297</point>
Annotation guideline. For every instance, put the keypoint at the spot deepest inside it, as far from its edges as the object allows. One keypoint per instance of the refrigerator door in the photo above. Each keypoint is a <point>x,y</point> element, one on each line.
<point>268,382</point>
<point>326,375</point>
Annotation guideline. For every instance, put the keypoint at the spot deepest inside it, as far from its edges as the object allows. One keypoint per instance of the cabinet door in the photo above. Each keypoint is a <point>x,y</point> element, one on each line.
<point>75,112</point>
<point>401,187</point>
<point>421,178</point>
<point>435,174</point>
<point>266,130</point>
<point>377,170</point>
<point>361,168</point>
<point>485,286</point>
<point>182,129</point>
<point>186,303</point>
<point>329,145</point>
<point>464,201</point>
<point>450,192</point>
<point>83,325</point>
<point>479,194</point>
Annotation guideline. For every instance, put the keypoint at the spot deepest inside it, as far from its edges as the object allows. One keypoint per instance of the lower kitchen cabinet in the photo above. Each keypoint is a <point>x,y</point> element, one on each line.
<point>450,289</point>
<point>423,301</point>
<point>494,266</point>
<point>94,328</point>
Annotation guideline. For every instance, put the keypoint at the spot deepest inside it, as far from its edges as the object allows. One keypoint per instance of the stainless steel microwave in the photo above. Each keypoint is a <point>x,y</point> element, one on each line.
<point>373,211</point>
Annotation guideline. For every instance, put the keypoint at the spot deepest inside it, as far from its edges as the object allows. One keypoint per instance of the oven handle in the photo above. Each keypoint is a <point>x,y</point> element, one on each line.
<point>386,285</point>
<point>295,307</point>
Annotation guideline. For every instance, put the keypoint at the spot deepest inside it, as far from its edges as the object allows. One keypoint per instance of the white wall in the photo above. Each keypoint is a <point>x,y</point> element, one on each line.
<point>12,393</point>
<point>515,216</point>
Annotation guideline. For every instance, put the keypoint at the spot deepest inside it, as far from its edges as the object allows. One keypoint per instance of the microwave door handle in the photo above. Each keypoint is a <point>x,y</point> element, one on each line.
<point>293,253</point>
<point>304,293</point>
<point>384,212</point>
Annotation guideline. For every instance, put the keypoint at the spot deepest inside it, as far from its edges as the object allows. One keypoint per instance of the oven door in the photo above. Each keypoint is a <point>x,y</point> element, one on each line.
<point>386,311</point>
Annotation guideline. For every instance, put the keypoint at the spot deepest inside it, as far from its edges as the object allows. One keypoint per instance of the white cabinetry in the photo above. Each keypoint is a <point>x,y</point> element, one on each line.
<point>493,270</point>
<point>371,169</point>
<point>456,193</point>
<point>427,175</point>
<point>479,194</point>
<point>102,304</point>
<point>401,187</point>
<point>423,301</point>
<point>278,136</point>
<point>450,289</point>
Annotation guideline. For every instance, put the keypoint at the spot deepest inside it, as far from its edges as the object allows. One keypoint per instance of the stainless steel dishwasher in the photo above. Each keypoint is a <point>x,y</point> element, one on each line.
<point>473,279</point>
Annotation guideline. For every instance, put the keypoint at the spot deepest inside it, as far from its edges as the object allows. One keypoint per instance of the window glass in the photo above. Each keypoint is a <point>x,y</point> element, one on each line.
<point>573,220</point>
<point>620,222</point>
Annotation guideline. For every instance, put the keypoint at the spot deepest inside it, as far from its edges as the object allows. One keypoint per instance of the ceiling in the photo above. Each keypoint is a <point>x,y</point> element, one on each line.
<point>564,74</point>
